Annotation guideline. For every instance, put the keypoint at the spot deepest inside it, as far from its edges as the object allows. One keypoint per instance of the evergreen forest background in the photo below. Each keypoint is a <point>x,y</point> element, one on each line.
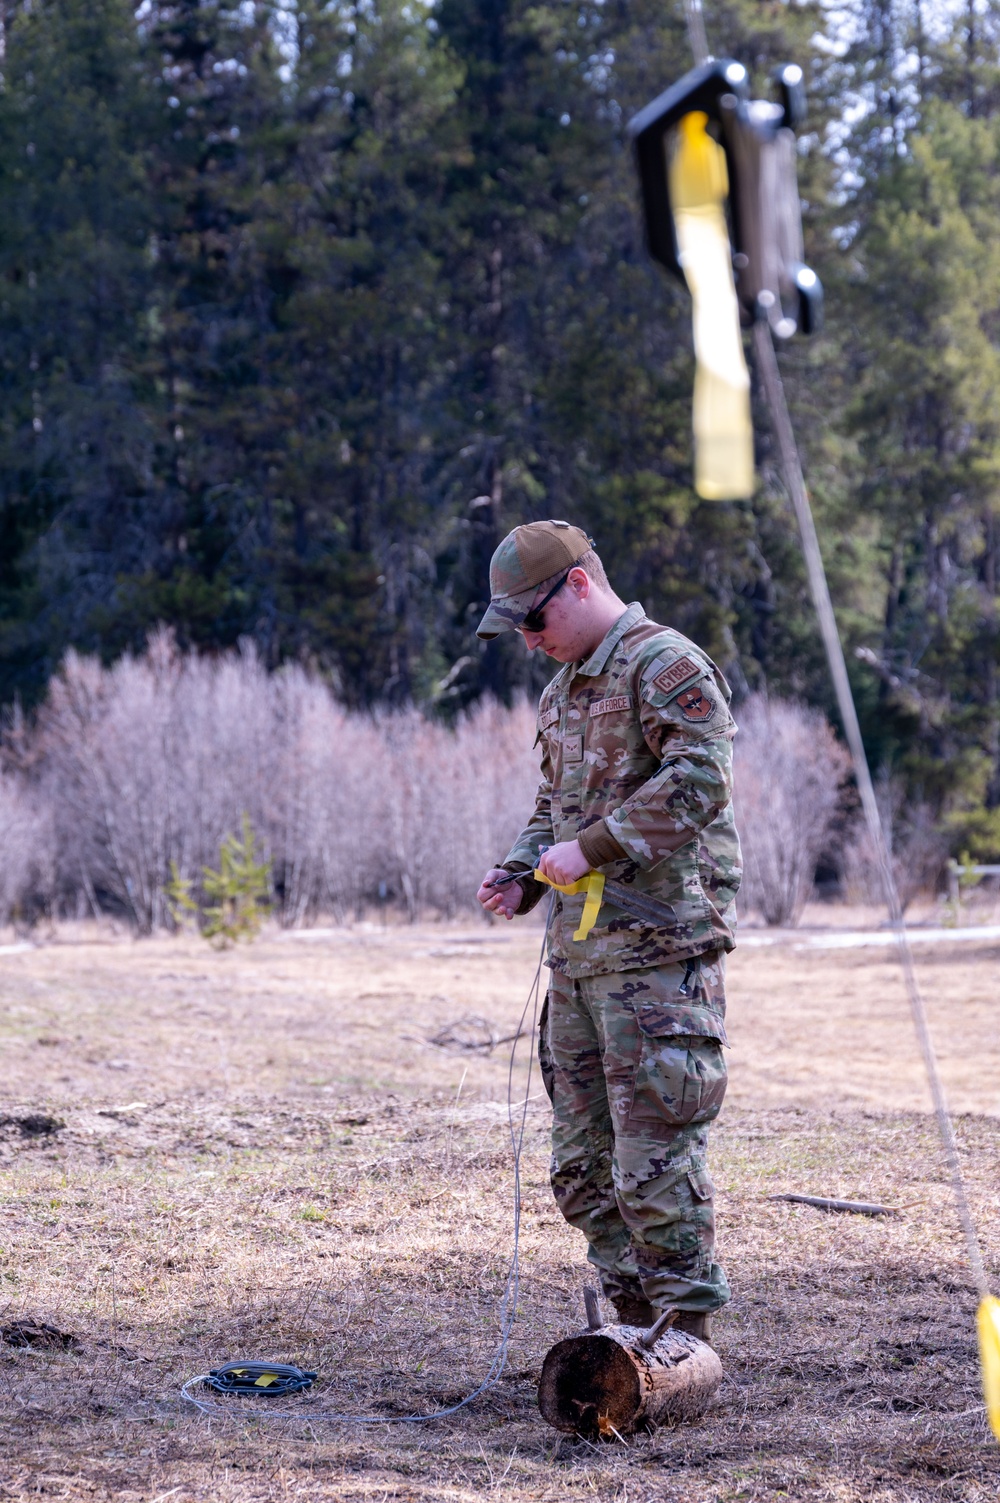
<point>303,305</point>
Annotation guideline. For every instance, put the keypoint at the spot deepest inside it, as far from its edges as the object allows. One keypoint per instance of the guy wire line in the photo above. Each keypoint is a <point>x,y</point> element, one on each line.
<point>774,391</point>
<point>516,1126</point>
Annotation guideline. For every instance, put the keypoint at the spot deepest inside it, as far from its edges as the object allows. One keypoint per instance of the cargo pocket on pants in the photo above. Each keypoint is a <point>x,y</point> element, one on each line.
<point>701,1184</point>
<point>679,1079</point>
<point>544,1052</point>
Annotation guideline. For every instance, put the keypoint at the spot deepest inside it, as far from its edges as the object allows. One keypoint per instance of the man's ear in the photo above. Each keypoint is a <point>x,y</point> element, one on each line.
<point>580,583</point>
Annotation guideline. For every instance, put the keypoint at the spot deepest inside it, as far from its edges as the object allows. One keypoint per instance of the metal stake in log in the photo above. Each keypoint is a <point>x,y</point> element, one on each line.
<point>605,1383</point>
<point>659,1325</point>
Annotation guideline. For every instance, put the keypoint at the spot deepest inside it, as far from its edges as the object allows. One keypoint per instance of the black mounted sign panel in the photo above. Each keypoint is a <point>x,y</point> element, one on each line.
<point>764,213</point>
<point>650,130</point>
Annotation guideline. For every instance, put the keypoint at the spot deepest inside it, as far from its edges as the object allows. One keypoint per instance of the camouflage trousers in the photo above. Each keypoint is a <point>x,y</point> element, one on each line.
<point>632,1098</point>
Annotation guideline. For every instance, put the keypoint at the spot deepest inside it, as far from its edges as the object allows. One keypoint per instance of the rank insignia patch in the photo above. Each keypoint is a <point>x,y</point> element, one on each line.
<point>694,705</point>
<point>573,747</point>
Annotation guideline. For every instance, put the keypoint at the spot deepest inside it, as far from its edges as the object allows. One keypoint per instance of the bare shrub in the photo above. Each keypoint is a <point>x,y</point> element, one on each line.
<point>415,774</point>
<point>456,800</point>
<point>494,778</point>
<point>106,776</point>
<point>152,763</point>
<point>789,767</point>
<point>325,819</point>
<point>156,760</point>
<point>27,867</point>
<point>917,844</point>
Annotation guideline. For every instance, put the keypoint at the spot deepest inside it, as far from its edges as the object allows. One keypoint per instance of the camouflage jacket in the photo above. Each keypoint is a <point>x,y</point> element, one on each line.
<point>637,750</point>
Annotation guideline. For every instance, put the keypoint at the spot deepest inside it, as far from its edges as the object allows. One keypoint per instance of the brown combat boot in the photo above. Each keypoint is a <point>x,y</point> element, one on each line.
<point>634,1310</point>
<point>696,1323</point>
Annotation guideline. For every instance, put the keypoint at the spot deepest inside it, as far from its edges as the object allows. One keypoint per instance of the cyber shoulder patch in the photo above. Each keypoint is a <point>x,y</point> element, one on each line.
<point>608,706</point>
<point>678,673</point>
<point>694,705</point>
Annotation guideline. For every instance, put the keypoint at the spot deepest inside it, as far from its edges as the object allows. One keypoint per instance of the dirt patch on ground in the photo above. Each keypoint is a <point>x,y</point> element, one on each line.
<point>261,1153</point>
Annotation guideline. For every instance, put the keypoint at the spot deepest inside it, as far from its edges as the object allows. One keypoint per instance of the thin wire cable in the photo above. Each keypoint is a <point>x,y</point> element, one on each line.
<point>792,465</point>
<point>508,1303</point>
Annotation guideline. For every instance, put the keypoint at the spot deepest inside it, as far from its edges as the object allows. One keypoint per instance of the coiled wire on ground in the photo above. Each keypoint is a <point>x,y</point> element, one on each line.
<point>262,1379</point>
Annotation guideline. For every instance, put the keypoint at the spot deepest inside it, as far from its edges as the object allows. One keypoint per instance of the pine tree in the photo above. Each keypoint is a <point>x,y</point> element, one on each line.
<point>214,307</point>
<point>75,449</point>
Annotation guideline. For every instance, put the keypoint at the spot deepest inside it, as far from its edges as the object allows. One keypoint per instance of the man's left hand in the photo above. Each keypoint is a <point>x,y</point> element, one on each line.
<point>564,863</point>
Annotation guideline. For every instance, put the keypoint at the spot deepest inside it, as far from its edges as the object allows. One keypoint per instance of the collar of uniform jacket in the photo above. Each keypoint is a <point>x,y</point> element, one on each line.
<point>598,660</point>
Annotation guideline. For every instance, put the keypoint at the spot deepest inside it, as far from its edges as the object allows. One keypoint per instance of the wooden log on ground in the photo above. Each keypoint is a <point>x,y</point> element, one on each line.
<point>606,1383</point>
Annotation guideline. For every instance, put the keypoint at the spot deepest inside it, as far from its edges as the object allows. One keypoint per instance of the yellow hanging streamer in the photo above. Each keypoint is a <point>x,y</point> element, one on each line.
<point>723,431</point>
<point>593,885</point>
<point>988,1326</point>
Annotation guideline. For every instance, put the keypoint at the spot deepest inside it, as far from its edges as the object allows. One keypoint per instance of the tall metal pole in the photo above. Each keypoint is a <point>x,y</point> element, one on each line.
<point>774,391</point>
<point>695,17</point>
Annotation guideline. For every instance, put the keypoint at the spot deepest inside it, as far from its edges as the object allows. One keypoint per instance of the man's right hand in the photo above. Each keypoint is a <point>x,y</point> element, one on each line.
<point>504,901</point>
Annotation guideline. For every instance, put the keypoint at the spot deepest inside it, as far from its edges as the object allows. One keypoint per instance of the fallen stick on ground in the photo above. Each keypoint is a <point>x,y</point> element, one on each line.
<point>468,1035</point>
<point>823,1203</point>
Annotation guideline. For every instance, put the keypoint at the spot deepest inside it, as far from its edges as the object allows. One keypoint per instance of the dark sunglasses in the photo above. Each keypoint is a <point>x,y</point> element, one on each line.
<point>535,619</point>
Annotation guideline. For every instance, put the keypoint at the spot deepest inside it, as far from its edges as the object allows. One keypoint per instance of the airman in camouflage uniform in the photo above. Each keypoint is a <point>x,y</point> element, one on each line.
<point>636,755</point>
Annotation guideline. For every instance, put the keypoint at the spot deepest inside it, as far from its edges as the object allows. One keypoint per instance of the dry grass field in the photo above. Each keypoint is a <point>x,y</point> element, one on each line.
<point>262,1153</point>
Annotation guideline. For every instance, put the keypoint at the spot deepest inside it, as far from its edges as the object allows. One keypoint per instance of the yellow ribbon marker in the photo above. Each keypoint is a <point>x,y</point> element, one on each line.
<point>723,431</point>
<point>593,885</point>
<point>988,1325</point>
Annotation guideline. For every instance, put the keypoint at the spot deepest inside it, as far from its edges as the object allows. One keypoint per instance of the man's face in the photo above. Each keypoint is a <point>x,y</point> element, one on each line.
<point>566,631</point>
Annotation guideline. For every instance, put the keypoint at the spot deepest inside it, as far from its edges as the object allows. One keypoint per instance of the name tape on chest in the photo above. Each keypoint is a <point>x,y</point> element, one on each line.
<point>609,706</point>
<point>678,673</point>
<point>549,718</point>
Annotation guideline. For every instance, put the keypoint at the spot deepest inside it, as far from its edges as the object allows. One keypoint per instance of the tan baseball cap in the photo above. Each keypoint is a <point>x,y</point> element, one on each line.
<point>527,556</point>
